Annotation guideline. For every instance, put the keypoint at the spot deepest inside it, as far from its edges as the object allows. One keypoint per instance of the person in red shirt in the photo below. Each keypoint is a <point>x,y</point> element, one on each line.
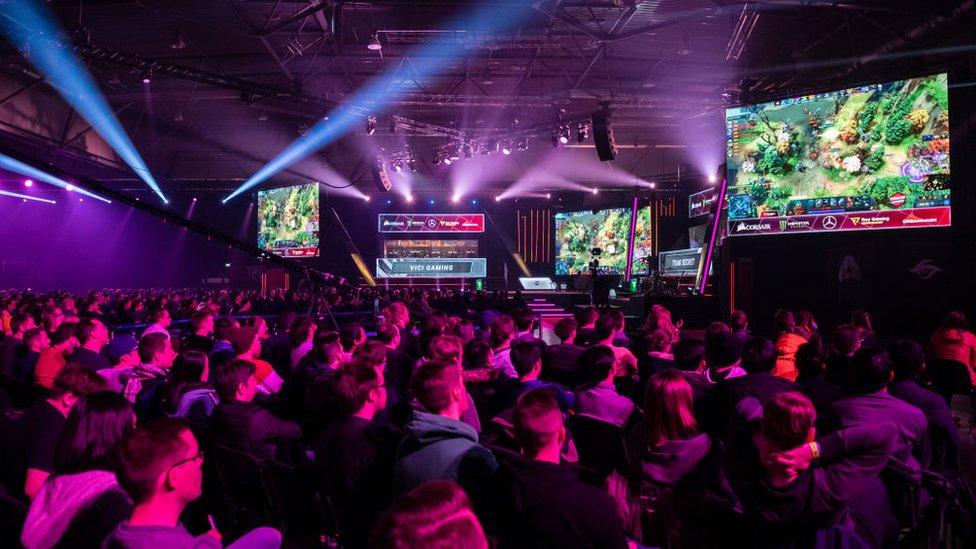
<point>953,347</point>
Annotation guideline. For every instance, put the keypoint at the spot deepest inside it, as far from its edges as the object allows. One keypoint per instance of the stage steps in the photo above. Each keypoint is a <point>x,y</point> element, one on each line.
<point>543,307</point>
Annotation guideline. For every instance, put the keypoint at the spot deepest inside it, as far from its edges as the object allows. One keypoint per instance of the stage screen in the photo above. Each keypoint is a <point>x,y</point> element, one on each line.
<point>288,221</point>
<point>871,157</point>
<point>579,232</point>
<point>430,248</point>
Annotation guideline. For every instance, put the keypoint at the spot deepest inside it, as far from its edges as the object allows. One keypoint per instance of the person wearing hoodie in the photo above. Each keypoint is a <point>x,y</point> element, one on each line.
<point>438,445</point>
<point>667,451</point>
<point>786,345</point>
<point>954,347</point>
<point>81,503</point>
<point>545,503</point>
<point>818,491</point>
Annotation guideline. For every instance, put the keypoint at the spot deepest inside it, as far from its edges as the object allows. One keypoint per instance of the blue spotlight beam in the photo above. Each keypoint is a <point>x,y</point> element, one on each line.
<point>14,165</point>
<point>26,197</point>
<point>425,61</point>
<point>36,34</point>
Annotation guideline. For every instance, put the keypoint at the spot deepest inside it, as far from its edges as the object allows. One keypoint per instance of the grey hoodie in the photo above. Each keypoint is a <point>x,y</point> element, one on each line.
<point>57,503</point>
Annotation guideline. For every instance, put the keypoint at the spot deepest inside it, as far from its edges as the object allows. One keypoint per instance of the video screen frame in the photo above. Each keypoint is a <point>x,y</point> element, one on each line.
<point>294,203</point>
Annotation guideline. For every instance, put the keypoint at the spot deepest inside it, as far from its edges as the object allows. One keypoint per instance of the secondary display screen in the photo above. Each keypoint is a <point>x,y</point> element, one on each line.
<point>870,157</point>
<point>430,248</point>
<point>288,221</point>
<point>577,233</point>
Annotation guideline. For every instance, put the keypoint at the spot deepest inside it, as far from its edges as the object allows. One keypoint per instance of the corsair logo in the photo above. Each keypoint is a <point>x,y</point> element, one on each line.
<point>752,227</point>
<point>925,269</point>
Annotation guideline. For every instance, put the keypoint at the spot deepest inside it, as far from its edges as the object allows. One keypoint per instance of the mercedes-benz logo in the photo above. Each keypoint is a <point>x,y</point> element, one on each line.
<point>829,222</point>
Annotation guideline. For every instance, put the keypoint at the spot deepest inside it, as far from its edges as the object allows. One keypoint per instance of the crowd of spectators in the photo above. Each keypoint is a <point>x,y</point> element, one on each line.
<point>356,417</point>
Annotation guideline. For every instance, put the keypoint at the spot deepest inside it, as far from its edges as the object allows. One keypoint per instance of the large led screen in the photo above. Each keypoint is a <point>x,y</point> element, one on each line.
<point>288,221</point>
<point>577,233</point>
<point>870,157</point>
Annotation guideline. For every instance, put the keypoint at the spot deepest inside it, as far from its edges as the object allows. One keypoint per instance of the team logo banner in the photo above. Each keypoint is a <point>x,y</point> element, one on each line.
<point>849,221</point>
<point>431,223</point>
<point>472,267</point>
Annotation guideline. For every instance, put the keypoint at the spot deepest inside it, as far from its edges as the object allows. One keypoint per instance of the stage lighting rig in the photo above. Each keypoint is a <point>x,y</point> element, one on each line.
<point>506,149</point>
<point>381,177</point>
<point>370,125</point>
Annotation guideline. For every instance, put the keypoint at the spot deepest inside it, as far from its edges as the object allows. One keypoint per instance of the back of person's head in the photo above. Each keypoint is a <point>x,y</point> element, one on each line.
<point>446,348</point>
<point>538,422</point>
<point>844,341</point>
<point>861,320</point>
<point>758,356</point>
<point>955,320</point>
<point>871,369</point>
<point>658,341</point>
<point>477,354</point>
<point>738,320</point>
<point>586,315</point>
<point>188,366</point>
<point>396,313</point>
<point>907,359</point>
<point>298,330</point>
<point>199,318</point>
<point>230,376</point>
<point>437,385</point>
<point>76,380</point>
<point>434,515</point>
<point>565,328</point>
<point>223,328</point>
<point>158,314</point>
<point>242,339</point>
<point>371,352</point>
<point>151,346</point>
<point>716,328</point>
<point>92,432</point>
<point>668,406</point>
<point>32,334</point>
<point>809,360</point>
<point>526,355</point>
<point>85,329</point>
<point>20,321</point>
<point>605,327</point>
<point>354,384</point>
<point>63,333</point>
<point>788,420</point>
<point>595,364</point>
<point>463,330</point>
<point>689,354</point>
<point>524,320</point>
<point>501,330</point>
<point>350,336</point>
<point>723,349</point>
<point>387,333</point>
<point>149,456</point>
<point>785,323</point>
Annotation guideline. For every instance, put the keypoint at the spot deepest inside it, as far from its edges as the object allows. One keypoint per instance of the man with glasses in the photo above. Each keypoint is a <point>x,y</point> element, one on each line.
<point>161,468</point>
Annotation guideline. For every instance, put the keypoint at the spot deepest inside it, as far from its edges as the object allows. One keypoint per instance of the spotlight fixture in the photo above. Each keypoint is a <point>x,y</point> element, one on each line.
<point>366,198</point>
<point>146,77</point>
<point>194,199</point>
<point>653,185</point>
<point>408,198</point>
<point>455,198</point>
<point>595,190</point>
<point>370,125</point>
<point>28,182</point>
<point>548,195</point>
<point>498,198</point>
<point>374,43</point>
<point>581,133</point>
<point>506,149</point>
<point>564,135</point>
<point>69,188</point>
<point>447,161</point>
<point>431,201</point>
<point>474,201</point>
<point>712,179</point>
<point>397,168</point>
<point>389,202</point>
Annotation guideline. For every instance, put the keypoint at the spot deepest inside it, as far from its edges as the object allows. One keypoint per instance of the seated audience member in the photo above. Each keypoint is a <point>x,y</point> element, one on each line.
<point>448,348</point>
<point>373,353</point>
<point>871,404</point>
<point>155,358</point>
<point>223,350</point>
<point>787,343</point>
<point>354,455</point>
<point>30,456</point>
<point>812,380</point>
<point>350,337</point>
<point>239,423</point>
<point>203,328</point>
<point>398,315</point>
<point>301,336</point>
<point>464,330</point>
<point>795,504</point>
<point>161,468</point>
<point>908,363</point>
<point>806,325</point>
<point>739,323</point>
<point>526,357</point>
<point>954,347</point>
<point>525,324</point>
<point>277,349</point>
<point>51,317</point>
<point>689,359</point>
<point>559,360</point>
<point>93,336</point>
<point>862,323</point>
<point>20,322</point>
<point>437,514</point>
<point>844,342</point>
<point>81,502</point>
<point>657,357</point>
<point>398,363</point>
<point>597,397</point>
<point>723,353</point>
<point>608,330</point>
<point>438,445</point>
<point>546,503</point>
<point>759,359</point>
<point>247,347</point>
<point>667,451</point>
<point>586,318</point>
<point>186,393</point>
<point>54,358</point>
<point>500,335</point>
<point>161,321</point>
<point>308,392</point>
<point>36,342</point>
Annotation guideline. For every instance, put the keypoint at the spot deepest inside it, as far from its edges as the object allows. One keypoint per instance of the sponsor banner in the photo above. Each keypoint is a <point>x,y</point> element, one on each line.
<point>473,267</point>
<point>431,223</point>
<point>679,262</point>
<point>296,252</point>
<point>700,203</point>
<point>849,221</point>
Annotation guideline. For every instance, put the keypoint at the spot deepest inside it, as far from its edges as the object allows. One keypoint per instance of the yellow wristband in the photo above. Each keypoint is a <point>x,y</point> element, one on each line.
<point>815,450</point>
